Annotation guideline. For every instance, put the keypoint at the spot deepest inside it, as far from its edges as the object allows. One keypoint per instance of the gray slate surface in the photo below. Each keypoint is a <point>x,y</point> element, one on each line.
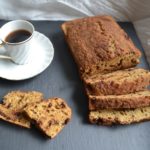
<point>61,79</point>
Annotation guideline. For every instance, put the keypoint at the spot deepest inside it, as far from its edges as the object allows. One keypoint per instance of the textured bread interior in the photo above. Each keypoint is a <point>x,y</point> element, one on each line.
<point>50,116</point>
<point>17,100</point>
<point>108,117</point>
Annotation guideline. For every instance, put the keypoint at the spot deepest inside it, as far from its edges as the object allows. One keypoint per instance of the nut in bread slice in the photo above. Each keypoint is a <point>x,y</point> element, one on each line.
<point>50,115</point>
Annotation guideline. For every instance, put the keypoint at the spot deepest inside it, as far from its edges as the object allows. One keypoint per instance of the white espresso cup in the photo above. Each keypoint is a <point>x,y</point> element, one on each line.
<point>21,52</point>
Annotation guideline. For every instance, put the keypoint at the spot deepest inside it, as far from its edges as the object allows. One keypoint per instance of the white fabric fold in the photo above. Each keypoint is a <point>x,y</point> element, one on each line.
<point>137,11</point>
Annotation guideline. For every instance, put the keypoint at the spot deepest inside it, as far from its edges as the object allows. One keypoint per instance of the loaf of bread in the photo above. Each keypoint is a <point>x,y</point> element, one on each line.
<point>11,109</point>
<point>132,100</point>
<point>50,116</point>
<point>118,82</point>
<point>98,44</point>
<point>109,117</point>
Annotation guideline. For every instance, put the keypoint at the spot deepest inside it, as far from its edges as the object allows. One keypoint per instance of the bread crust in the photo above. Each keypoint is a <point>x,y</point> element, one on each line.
<point>94,40</point>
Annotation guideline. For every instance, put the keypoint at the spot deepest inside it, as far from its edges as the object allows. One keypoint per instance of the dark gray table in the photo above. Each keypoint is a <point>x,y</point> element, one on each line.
<point>61,79</point>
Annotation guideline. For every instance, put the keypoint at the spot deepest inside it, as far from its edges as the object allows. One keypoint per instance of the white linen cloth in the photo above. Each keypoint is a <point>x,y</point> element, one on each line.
<point>137,11</point>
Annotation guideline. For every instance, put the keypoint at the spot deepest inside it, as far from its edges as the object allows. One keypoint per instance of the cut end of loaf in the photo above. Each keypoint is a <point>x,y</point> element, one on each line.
<point>120,62</point>
<point>127,101</point>
<point>118,82</point>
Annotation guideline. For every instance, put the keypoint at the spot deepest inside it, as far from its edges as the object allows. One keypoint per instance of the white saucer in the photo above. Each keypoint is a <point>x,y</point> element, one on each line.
<point>42,59</point>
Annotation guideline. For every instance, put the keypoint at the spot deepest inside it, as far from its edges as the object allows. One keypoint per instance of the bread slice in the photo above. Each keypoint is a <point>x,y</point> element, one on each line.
<point>118,82</point>
<point>132,100</point>
<point>98,44</point>
<point>109,117</point>
<point>10,116</point>
<point>50,115</point>
<point>18,100</point>
<point>14,104</point>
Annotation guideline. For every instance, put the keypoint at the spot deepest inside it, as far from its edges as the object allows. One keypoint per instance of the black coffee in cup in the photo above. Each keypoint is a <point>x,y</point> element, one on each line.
<point>17,36</point>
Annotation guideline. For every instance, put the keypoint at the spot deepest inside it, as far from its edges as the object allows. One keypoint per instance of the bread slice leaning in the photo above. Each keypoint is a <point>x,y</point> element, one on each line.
<point>50,116</point>
<point>118,82</point>
<point>127,101</point>
<point>109,117</point>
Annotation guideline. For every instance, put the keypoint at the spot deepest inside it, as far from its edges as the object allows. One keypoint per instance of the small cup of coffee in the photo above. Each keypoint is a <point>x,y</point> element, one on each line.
<point>16,39</point>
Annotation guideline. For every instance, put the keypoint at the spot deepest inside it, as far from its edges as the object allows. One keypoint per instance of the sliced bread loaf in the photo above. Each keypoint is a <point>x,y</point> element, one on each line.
<point>132,100</point>
<point>118,82</point>
<point>109,117</point>
<point>50,115</point>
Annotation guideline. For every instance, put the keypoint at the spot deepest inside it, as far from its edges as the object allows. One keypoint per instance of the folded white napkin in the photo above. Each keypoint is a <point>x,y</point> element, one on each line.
<point>137,11</point>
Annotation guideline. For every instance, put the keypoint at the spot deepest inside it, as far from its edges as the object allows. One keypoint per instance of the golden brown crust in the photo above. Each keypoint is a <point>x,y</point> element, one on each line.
<point>128,101</point>
<point>110,117</point>
<point>94,40</point>
<point>118,82</point>
<point>50,116</point>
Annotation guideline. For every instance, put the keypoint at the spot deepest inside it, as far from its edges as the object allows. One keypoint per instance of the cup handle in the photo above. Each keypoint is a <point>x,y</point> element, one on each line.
<point>2,51</point>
